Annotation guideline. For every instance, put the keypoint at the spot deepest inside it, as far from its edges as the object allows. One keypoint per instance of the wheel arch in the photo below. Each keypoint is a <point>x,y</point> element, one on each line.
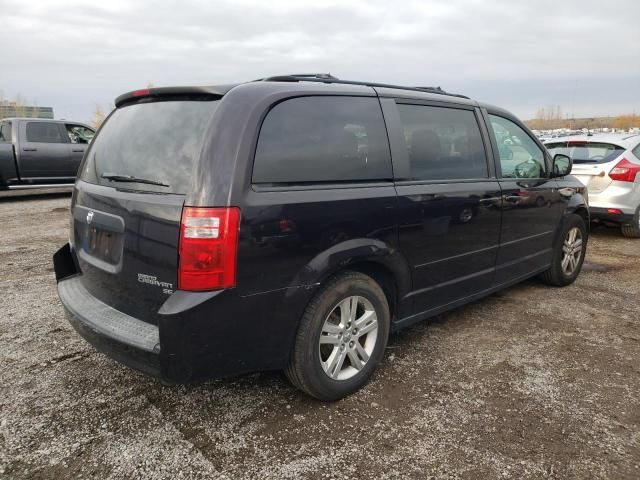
<point>382,275</point>
<point>583,212</point>
<point>372,257</point>
<point>578,205</point>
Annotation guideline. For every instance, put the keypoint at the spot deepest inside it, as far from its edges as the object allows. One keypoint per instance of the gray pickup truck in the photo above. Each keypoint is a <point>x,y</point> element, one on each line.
<point>41,153</point>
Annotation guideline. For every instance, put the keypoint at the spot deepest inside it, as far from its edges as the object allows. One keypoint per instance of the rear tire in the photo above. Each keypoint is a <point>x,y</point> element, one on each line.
<point>335,350</point>
<point>568,253</point>
<point>632,230</point>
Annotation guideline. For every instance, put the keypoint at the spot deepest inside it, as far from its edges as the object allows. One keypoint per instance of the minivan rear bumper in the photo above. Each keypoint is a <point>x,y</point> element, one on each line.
<point>126,339</point>
<point>198,335</point>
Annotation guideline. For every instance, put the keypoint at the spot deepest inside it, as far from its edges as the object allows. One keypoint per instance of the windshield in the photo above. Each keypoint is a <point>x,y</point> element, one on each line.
<point>157,142</point>
<point>586,152</point>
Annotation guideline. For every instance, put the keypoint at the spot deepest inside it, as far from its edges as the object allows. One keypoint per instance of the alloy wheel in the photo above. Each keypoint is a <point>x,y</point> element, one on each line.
<point>571,251</point>
<point>348,337</point>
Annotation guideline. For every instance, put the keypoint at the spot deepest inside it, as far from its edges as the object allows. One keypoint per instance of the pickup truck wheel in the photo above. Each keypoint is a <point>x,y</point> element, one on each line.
<point>341,338</point>
<point>632,230</point>
<point>568,254</point>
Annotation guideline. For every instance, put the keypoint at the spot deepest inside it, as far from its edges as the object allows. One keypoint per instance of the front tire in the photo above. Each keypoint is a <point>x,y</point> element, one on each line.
<point>341,338</point>
<point>569,253</point>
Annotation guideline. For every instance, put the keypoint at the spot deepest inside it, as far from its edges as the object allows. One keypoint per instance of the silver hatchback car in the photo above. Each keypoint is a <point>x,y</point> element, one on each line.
<point>609,165</point>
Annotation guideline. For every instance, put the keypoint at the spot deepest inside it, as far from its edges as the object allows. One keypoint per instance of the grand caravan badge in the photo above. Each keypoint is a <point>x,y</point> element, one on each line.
<point>151,280</point>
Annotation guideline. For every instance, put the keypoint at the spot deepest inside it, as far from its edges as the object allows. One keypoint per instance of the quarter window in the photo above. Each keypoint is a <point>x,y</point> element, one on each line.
<point>520,156</point>
<point>44,132</point>
<point>323,139</point>
<point>443,143</point>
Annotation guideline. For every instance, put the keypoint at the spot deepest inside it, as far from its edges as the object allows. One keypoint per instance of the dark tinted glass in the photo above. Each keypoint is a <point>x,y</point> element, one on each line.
<point>45,132</point>
<point>154,141</point>
<point>586,152</point>
<point>443,143</point>
<point>5,132</point>
<point>323,139</point>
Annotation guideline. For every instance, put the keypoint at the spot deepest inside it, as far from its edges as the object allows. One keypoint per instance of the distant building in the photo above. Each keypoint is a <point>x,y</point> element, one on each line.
<point>11,109</point>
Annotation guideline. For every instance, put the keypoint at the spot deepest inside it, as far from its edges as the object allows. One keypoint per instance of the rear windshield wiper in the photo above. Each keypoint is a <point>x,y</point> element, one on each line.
<point>114,177</point>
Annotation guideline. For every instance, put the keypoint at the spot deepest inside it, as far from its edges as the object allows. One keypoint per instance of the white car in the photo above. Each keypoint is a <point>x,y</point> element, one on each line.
<point>609,165</point>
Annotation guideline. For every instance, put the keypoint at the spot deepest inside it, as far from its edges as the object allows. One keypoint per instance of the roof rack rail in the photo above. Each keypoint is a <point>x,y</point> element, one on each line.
<point>296,77</point>
<point>431,89</point>
<point>328,78</point>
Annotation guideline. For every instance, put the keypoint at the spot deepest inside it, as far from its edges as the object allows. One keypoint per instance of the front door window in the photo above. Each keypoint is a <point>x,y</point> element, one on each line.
<point>520,156</point>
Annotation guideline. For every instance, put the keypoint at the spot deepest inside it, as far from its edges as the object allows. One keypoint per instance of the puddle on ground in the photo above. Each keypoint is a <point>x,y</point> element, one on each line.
<point>595,267</point>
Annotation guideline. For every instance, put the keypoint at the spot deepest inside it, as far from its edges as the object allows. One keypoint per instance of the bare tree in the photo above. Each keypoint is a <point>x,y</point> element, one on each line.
<point>98,116</point>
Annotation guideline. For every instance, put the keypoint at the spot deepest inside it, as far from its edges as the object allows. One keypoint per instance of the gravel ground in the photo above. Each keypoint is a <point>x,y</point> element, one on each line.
<point>533,382</point>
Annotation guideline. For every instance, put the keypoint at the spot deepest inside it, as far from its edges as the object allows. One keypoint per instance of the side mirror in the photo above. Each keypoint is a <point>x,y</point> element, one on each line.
<point>562,165</point>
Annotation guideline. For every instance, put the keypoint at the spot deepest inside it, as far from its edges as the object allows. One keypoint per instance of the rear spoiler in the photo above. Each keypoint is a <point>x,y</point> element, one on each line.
<point>162,93</point>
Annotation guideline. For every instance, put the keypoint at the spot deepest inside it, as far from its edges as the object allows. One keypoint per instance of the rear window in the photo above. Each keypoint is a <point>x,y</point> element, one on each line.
<point>323,139</point>
<point>156,141</point>
<point>586,152</point>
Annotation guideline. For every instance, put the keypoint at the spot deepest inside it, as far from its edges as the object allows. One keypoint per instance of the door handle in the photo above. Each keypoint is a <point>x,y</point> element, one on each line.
<point>77,150</point>
<point>29,149</point>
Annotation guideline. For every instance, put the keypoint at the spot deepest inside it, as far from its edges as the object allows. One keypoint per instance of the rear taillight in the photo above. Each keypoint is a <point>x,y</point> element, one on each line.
<point>287,226</point>
<point>208,248</point>
<point>624,171</point>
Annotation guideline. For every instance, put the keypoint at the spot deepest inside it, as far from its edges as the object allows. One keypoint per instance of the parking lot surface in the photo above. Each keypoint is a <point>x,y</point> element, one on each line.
<point>532,382</point>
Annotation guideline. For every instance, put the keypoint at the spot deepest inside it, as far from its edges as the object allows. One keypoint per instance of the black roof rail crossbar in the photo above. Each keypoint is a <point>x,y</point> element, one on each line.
<point>315,75</point>
<point>431,89</point>
<point>296,77</point>
<point>328,78</point>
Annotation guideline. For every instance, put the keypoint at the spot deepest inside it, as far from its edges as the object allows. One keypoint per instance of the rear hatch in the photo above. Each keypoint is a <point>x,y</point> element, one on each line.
<point>129,196</point>
<point>592,160</point>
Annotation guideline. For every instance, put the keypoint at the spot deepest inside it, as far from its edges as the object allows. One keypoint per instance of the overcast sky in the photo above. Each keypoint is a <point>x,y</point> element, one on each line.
<point>583,55</point>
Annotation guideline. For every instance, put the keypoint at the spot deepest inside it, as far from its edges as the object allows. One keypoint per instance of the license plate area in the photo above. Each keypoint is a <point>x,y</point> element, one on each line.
<point>99,238</point>
<point>105,245</point>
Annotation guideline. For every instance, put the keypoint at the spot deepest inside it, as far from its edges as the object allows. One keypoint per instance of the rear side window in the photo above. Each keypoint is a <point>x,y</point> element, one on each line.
<point>5,132</point>
<point>323,139</point>
<point>586,152</point>
<point>158,142</point>
<point>45,132</point>
<point>443,143</point>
